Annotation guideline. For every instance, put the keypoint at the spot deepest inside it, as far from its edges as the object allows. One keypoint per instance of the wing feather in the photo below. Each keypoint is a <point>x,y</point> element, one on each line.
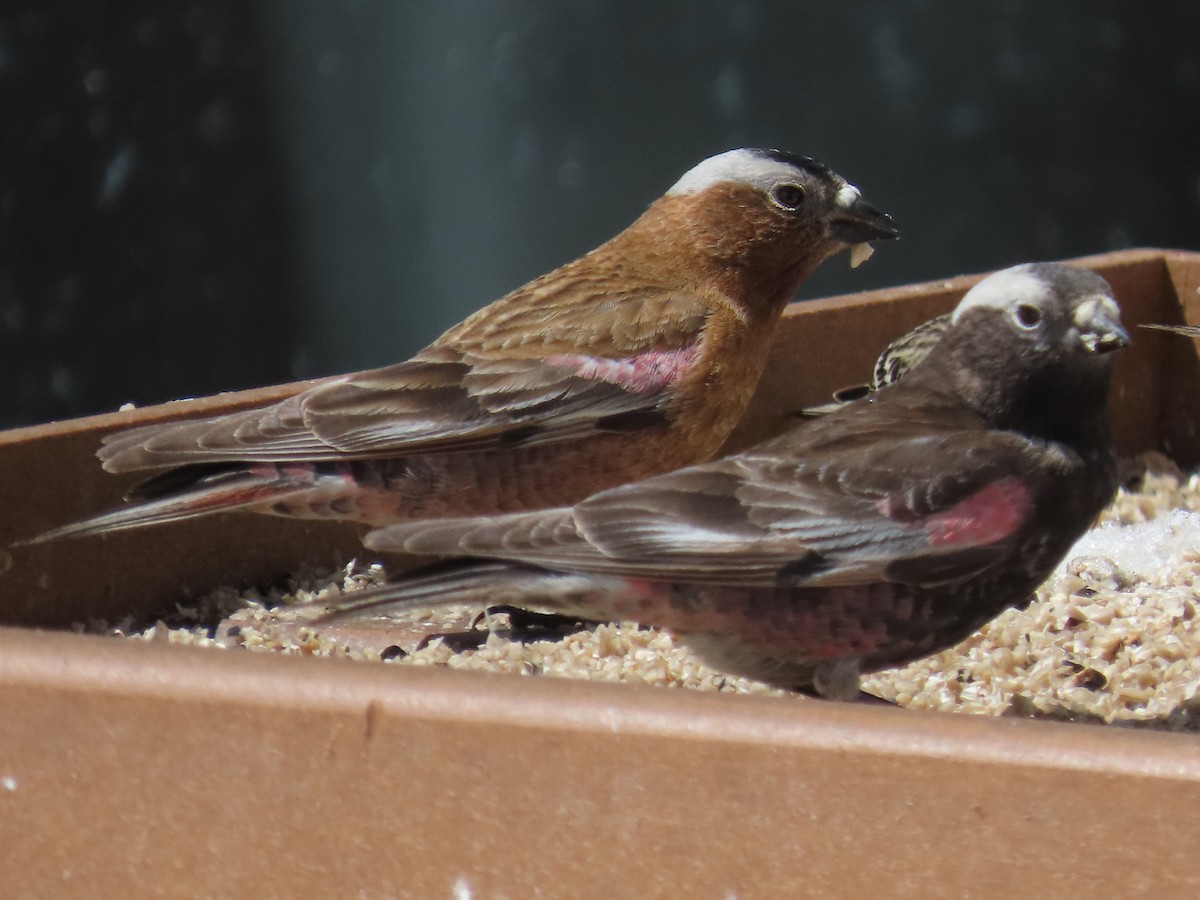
<point>473,389</point>
<point>893,512</point>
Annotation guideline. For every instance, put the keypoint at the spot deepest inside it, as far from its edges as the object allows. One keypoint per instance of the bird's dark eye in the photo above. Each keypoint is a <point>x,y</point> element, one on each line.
<point>1028,316</point>
<point>789,196</point>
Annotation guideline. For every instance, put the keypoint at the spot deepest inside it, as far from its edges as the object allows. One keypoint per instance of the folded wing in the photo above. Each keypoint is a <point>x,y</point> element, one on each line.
<point>491,388</point>
<point>891,510</point>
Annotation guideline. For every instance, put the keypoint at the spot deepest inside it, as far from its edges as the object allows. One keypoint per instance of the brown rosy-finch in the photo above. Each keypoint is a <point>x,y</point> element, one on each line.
<point>880,533</point>
<point>637,358</point>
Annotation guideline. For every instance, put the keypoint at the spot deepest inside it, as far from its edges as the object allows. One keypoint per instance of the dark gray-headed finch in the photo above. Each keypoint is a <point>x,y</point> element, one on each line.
<point>637,358</point>
<point>880,533</point>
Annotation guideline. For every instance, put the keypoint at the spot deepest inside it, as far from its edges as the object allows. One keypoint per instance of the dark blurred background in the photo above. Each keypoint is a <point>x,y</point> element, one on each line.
<point>204,196</point>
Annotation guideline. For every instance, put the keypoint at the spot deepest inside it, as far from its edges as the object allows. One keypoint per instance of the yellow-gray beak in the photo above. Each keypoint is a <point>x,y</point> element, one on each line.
<point>1099,324</point>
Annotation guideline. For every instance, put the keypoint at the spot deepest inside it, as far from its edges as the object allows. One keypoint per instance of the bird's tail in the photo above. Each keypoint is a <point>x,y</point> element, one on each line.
<point>483,582</point>
<point>184,494</point>
<point>1186,330</point>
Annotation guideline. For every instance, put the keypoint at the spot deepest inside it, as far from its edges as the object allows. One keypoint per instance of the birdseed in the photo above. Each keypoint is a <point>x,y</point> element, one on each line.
<point>1113,636</point>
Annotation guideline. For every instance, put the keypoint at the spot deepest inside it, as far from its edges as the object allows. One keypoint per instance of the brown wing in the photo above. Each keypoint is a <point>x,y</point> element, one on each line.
<point>920,509</point>
<point>492,381</point>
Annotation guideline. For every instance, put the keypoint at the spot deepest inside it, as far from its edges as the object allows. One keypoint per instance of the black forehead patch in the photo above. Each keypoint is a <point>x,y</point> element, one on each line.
<point>1066,280</point>
<point>804,163</point>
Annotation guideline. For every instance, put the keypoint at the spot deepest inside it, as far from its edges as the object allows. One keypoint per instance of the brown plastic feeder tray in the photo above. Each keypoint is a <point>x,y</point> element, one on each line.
<point>130,769</point>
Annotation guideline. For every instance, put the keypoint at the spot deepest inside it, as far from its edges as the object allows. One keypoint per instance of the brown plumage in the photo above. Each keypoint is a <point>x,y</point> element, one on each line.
<point>883,532</point>
<point>636,358</point>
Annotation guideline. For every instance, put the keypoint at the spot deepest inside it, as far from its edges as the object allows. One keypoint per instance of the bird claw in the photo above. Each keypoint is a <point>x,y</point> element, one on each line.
<point>874,699</point>
<point>456,641</point>
<point>524,625</point>
<point>862,696</point>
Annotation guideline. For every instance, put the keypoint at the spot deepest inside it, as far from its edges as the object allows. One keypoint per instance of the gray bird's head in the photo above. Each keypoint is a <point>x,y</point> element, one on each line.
<point>1047,306</point>
<point>1034,341</point>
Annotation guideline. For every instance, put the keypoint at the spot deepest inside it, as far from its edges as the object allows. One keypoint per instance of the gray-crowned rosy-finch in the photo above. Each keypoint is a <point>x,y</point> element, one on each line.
<point>637,358</point>
<point>882,532</point>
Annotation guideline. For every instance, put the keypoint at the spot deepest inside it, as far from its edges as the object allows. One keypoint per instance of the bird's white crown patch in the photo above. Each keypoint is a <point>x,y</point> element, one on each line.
<point>741,166</point>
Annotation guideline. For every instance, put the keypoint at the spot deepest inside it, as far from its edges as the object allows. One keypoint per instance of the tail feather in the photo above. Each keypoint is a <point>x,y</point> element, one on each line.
<point>212,493</point>
<point>180,480</point>
<point>445,583</point>
<point>1185,330</point>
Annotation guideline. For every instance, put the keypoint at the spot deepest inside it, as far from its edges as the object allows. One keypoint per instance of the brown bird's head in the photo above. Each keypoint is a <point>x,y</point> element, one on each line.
<point>758,222</point>
<point>1030,347</point>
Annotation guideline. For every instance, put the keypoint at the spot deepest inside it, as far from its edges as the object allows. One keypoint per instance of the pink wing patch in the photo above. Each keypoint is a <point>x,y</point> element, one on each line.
<point>644,373</point>
<point>987,516</point>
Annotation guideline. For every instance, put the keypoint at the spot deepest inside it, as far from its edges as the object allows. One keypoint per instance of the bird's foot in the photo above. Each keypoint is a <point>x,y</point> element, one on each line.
<point>523,626</point>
